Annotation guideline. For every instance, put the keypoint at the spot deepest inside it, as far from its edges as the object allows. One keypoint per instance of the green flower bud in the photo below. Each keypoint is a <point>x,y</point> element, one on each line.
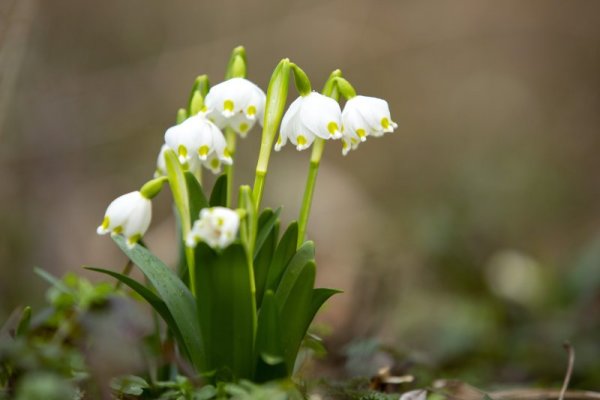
<point>236,68</point>
<point>153,187</point>
<point>182,115</point>
<point>301,80</point>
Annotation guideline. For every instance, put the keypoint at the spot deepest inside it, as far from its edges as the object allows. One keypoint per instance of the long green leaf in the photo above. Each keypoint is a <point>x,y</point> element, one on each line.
<point>197,199</point>
<point>262,262</point>
<point>266,222</point>
<point>179,189</point>
<point>175,294</point>
<point>304,255</point>
<point>284,253</point>
<point>218,197</point>
<point>227,313</point>
<point>156,302</point>
<point>294,313</point>
<point>270,362</point>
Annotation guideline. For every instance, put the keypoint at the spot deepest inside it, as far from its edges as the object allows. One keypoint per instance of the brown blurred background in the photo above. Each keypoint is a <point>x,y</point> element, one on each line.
<point>467,241</point>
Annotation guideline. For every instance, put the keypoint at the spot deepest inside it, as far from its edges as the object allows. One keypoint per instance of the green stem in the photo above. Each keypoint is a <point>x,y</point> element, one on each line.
<point>332,91</point>
<point>274,105</point>
<point>230,136</point>
<point>313,169</point>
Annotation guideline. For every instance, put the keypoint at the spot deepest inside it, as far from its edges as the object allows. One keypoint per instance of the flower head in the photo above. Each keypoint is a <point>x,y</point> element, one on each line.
<point>217,227</point>
<point>367,116</point>
<point>236,103</point>
<point>197,137</point>
<point>130,215</point>
<point>310,116</point>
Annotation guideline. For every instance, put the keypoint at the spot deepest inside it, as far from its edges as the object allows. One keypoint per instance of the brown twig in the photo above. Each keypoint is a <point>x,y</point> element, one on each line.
<point>571,362</point>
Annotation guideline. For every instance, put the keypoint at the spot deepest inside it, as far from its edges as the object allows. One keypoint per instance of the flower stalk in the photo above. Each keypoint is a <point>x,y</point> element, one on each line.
<point>274,106</point>
<point>330,89</point>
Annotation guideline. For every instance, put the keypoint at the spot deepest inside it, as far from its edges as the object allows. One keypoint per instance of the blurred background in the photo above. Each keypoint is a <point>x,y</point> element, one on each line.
<point>467,242</point>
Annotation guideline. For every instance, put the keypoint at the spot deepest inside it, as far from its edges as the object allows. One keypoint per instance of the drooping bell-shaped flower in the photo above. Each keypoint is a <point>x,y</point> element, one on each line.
<point>367,116</point>
<point>193,164</point>
<point>350,141</point>
<point>129,215</point>
<point>217,226</point>
<point>308,117</point>
<point>236,103</point>
<point>197,137</point>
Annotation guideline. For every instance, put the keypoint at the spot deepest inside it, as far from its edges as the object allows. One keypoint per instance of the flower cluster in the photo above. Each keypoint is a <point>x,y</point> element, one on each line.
<point>317,116</point>
<point>235,106</point>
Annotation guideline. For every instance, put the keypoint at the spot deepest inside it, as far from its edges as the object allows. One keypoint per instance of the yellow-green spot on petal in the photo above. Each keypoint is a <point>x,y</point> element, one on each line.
<point>204,109</point>
<point>279,140</point>
<point>134,239</point>
<point>182,151</point>
<point>220,221</point>
<point>203,150</point>
<point>332,127</point>
<point>361,133</point>
<point>214,163</point>
<point>228,105</point>
<point>243,127</point>
<point>301,140</point>
<point>251,111</point>
<point>385,123</point>
<point>354,141</point>
<point>344,144</point>
<point>226,153</point>
<point>105,223</point>
<point>117,230</point>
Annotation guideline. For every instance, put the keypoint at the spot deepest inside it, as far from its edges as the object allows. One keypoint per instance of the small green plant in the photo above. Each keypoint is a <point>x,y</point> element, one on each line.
<point>241,303</point>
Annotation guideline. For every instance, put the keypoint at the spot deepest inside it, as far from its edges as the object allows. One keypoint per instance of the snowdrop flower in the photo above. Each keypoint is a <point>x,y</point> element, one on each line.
<point>236,103</point>
<point>197,136</point>
<point>217,227</point>
<point>308,117</point>
<point>130,215</point>
<point>350,140</point>
<point>367,116</point>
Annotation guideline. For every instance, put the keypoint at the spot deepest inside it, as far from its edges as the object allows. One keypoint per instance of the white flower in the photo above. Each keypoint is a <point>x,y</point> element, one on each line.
<point>130,215</point>
<point>236,103</point>
<point>367,116</point>
<point>217,227</point>
<point>350,140</point>
<point>197,136</point>
<point>314,115</point>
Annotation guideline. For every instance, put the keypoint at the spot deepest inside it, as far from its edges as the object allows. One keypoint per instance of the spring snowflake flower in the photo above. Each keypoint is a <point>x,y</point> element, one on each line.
<point>309,117</point>
<point>236,103</point>
<point>193,165</point>
<point>197,136</point>
<point>129,215</point>
<point>365,116</point>
<point>217,227</point>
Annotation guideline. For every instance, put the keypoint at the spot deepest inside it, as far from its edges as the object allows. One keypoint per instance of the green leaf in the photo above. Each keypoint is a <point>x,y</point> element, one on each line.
<point>197,199</point>
<point>269,349</point>
<point>294,313</point>
<point>226,310</point>
<point>304,256</point>
<point>262,262</point>
<point>175,294</point>
<point>218,197</point>
<point>24,321</point>
<point>284,253</point>
<point>179,189</point>
<point>319,297</point>
<point>156,302</point>
<point>266,222</point>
